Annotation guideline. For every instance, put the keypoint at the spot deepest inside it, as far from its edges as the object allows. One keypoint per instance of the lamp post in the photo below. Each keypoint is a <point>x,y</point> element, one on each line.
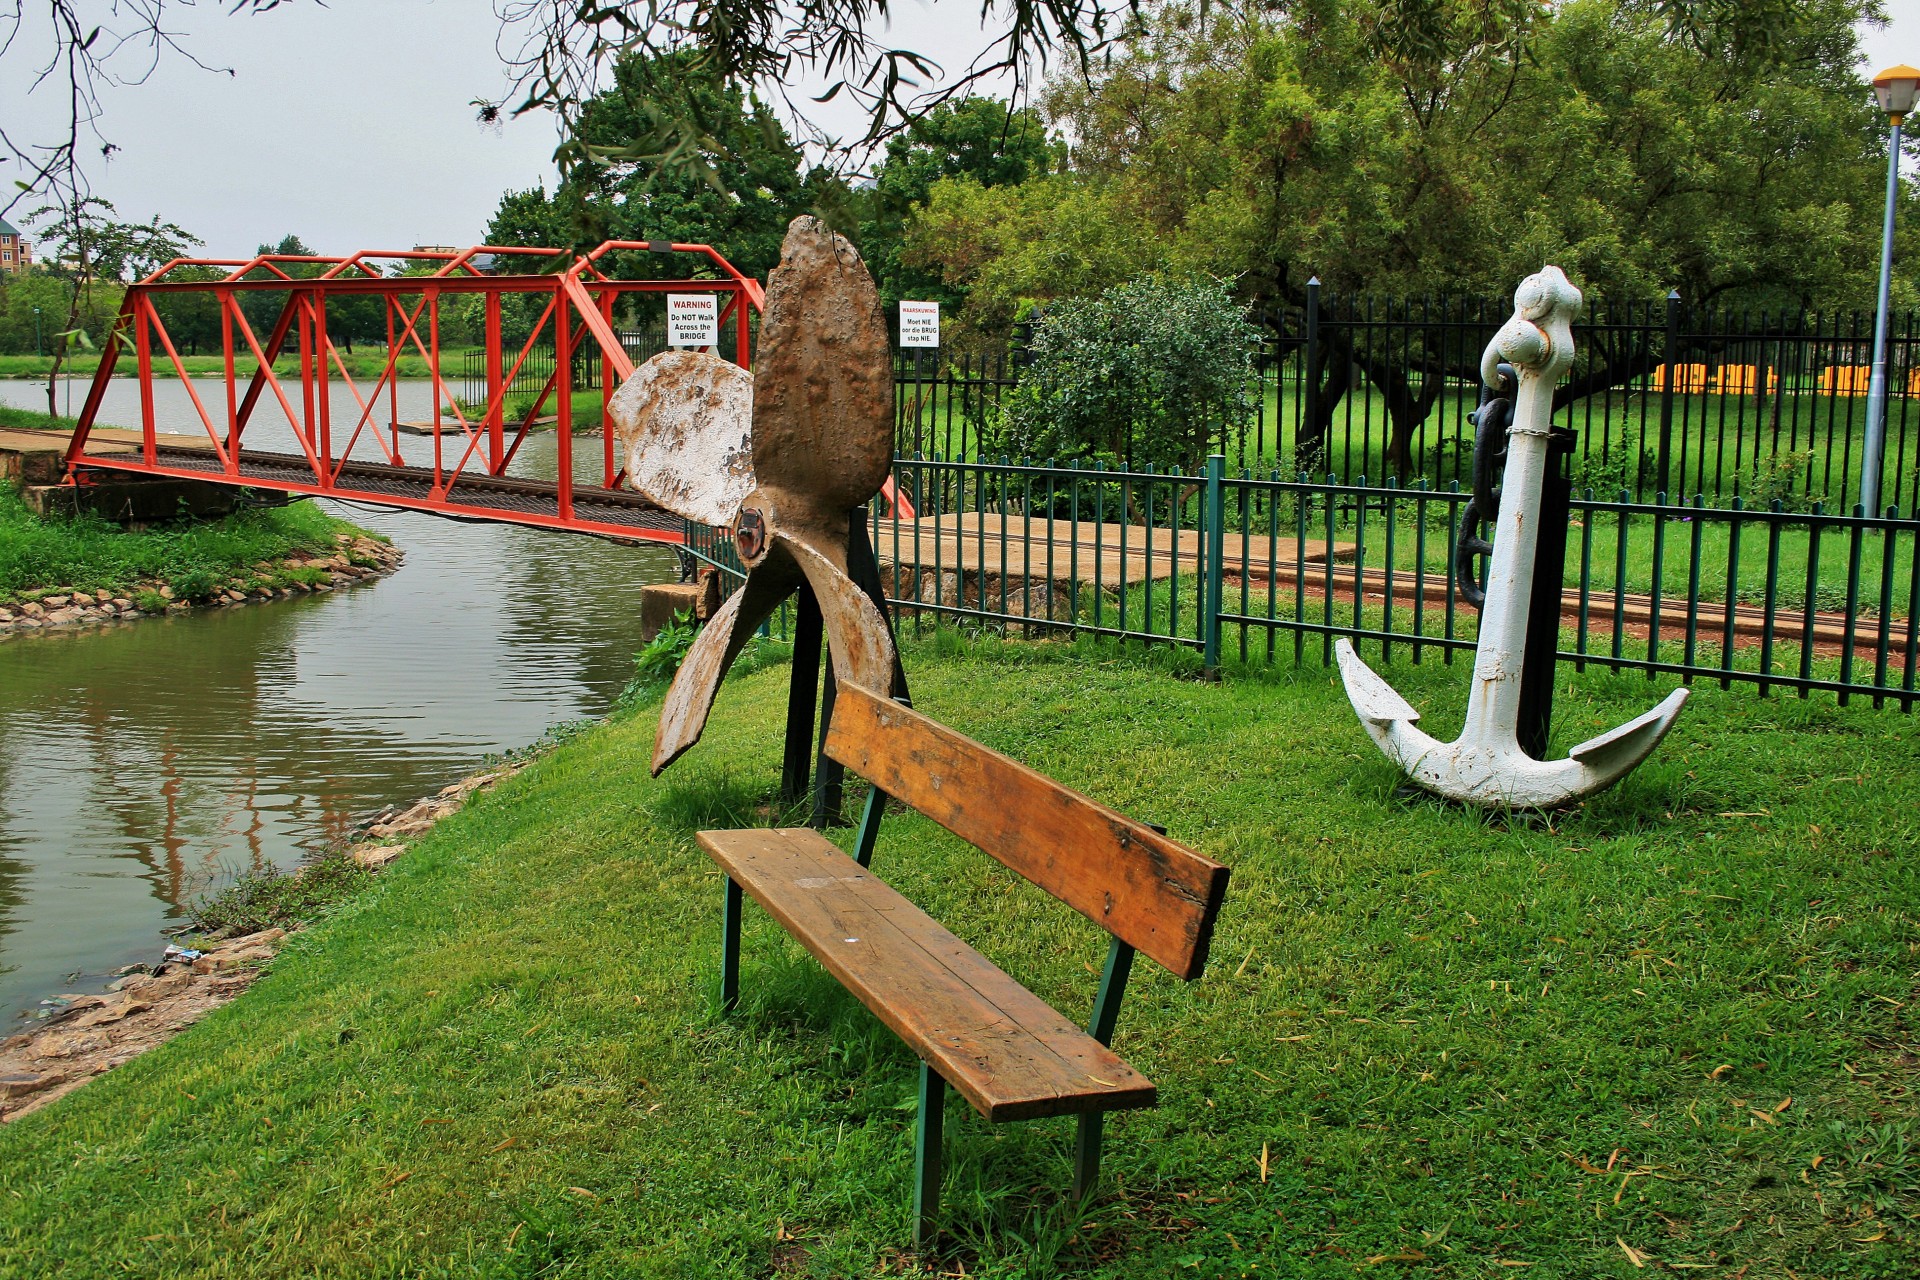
<point>36,332</point>
<point>1896,88</point>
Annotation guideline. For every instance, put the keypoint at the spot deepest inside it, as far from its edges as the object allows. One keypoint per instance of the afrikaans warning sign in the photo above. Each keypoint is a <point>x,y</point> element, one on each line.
<point>919,324</point>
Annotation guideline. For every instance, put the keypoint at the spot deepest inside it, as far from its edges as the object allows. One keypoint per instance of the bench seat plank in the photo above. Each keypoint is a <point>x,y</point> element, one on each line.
<point>1006,1050</point>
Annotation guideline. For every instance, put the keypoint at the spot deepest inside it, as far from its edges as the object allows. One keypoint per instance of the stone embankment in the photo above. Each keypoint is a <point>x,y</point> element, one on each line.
<point>353,560</point>
<point>146,1005</point>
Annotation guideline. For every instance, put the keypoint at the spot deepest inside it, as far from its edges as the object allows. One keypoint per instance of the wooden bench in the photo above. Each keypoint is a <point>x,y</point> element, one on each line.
<point>1007,1051</point>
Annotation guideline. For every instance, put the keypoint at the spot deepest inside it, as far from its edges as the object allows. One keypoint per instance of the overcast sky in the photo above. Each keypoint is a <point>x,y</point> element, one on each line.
<point>350,125</point>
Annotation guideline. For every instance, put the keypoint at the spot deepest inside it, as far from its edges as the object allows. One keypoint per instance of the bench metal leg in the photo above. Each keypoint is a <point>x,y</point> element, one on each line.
<point>730,949</point>
<point>926,1171</point>
<point>1106,1012</point>
<point>1086,1154</point>
<point>870,827</point>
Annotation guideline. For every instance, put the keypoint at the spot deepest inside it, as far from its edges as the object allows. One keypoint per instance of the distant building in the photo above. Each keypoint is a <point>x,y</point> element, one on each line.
<point>16,255</point>
<point>434,248</point>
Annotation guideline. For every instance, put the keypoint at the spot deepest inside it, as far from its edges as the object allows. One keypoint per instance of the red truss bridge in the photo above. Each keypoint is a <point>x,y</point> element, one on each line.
<point>456,462</point>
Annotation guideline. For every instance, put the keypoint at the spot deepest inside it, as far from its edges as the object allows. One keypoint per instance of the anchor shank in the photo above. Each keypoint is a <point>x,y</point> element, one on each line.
<point>1486,764</point>
<point>1493,703</point>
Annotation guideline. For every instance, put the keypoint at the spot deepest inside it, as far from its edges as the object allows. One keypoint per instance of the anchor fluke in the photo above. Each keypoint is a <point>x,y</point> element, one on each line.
<point>1486,765</point>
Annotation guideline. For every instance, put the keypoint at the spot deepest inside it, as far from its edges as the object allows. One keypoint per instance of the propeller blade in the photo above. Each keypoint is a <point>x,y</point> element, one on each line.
<point>857,635</point>
<point>823,392</point>
<point>684,713</point>
<point>683,422</point>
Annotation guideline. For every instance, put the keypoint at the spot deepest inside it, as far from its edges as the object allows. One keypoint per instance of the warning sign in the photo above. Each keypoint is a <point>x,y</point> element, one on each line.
<point>693,319</point>
<point>919,324</point>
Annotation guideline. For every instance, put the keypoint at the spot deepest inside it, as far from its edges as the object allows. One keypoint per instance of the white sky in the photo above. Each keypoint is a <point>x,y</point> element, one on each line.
<point>351,125</point>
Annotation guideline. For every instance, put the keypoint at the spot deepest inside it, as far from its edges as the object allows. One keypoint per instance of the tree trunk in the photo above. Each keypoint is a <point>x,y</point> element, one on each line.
<point>1310,445</point>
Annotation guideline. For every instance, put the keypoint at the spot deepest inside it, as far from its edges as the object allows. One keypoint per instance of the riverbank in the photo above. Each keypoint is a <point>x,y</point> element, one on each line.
<point>1673,1028</point>
<point>83,1035</point>
<point>203,576</point>
<point>87,570</point>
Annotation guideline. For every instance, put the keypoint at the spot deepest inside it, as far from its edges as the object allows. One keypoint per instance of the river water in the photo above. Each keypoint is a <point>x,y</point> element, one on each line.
<point>146,763</point>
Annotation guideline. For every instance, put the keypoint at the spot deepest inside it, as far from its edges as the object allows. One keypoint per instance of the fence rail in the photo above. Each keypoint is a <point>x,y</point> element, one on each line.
<point>1269,569</point>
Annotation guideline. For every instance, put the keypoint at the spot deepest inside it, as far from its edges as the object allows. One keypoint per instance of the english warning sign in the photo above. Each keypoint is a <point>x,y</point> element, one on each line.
<point>693,319</point>
<point>919,324</point>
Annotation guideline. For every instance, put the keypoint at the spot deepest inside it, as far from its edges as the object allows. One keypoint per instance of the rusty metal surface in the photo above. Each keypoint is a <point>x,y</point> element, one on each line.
<point>684,713</point>
<point>861,645</point>
<point>822,444</point>
<point>683,425</point>
<point>823,389</point>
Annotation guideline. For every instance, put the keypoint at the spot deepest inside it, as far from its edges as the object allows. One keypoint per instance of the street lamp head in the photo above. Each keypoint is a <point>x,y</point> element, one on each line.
<point>1896,88</point>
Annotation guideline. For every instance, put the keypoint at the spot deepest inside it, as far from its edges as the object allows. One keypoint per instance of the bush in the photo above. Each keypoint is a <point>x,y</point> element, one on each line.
<point>1145,374</point>
<point>272,898</point>
<point>656,664</point>
<point>1620,470</point>
<point>1779,477</point>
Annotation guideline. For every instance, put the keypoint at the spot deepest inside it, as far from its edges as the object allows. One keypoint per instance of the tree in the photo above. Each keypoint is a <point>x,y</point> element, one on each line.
<point>673,47</point>
<point>741,205</point>
<point>557,52</point>
<point>1418,146</point>
<point>91,248</point>
<point>21,331</point>
<point>977,138</point>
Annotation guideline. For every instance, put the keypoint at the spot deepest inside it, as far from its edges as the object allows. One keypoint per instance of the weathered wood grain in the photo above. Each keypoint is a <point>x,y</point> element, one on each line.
<point>1142,887</point>
<point>1006,1050</point>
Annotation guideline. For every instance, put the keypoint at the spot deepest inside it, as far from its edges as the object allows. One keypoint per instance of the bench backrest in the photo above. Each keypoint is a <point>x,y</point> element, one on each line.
<point>1149,891</point>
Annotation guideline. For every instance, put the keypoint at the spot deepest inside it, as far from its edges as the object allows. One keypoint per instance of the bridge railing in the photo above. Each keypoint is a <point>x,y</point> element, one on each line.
<point>274,310</point>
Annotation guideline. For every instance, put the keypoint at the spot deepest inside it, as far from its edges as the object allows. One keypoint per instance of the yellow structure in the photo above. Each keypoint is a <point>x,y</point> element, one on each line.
<point>1846,379</point>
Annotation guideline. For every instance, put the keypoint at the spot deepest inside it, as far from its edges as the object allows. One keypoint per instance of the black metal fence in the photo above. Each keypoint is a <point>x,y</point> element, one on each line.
<point>1272,568</point>
<point>1667,399</point>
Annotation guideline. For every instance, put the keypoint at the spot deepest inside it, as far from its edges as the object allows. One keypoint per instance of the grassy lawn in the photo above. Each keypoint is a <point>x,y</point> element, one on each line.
<point>367,362</point>
<point>93,554</point>
<point>1677,1022</point>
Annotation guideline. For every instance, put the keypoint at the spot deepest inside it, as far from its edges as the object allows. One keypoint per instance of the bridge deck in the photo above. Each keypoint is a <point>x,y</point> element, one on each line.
<point>471,495</point>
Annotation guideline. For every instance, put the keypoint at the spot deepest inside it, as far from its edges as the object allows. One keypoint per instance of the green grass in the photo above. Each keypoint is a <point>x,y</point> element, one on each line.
<point>273,898</point>
<point>366,362</point>
<point>191,557</point>
<point>1450,1038</point>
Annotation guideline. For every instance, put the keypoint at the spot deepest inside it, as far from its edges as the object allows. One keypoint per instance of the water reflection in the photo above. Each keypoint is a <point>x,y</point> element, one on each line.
<point>144,763</point>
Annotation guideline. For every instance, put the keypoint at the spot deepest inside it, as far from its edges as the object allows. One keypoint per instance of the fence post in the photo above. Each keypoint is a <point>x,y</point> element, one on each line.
<point>1310,375</point>
<point>1216,526</point>
<point>1666,391</point>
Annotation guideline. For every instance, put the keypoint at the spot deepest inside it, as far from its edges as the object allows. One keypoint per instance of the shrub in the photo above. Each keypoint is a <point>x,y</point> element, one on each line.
<point>657,663</point>
<point>1620,469</point>
<point>1778,477</point>
<point>1145,374</point>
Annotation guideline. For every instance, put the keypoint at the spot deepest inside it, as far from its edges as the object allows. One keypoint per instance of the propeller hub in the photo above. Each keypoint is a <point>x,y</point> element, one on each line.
<point>750,536</point>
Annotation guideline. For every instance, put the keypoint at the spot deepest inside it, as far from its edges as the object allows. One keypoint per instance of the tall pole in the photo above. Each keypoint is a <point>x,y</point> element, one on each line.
<point>1877,385</point>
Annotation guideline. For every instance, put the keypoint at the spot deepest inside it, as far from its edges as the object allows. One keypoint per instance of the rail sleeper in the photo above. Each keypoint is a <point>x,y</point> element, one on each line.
<point>1006,1050</point>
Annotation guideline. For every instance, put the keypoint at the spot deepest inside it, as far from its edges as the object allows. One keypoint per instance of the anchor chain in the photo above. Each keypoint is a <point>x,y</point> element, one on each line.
<point>1473,547</point>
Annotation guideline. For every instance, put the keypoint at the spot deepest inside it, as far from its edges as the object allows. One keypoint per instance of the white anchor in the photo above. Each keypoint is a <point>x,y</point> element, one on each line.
<point>1485,765</point>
